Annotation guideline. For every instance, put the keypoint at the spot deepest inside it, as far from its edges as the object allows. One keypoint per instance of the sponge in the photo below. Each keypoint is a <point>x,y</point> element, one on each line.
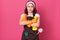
<point>34,28</point>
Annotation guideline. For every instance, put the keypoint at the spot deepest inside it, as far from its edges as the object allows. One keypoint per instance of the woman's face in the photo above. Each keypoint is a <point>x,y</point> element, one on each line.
<point>30,8</point>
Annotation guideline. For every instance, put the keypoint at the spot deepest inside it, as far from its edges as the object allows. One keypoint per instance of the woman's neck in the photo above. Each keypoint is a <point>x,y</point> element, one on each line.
<point>30,13</point>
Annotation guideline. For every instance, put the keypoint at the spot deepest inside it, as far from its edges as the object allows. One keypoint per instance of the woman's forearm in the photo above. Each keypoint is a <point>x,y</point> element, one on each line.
<point>23,23</point>
<point>32,21</point>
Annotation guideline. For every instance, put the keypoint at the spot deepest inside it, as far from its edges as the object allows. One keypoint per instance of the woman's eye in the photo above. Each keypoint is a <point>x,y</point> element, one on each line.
<point>32,6</point>
<point>28,6</point>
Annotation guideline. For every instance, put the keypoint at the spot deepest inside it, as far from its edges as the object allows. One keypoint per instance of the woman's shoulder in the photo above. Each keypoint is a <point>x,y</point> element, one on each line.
<point>37,14</point>
<point>23,14</point>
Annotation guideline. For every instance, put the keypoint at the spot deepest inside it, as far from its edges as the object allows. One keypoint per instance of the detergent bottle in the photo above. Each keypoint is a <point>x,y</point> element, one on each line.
<point>34,28</point>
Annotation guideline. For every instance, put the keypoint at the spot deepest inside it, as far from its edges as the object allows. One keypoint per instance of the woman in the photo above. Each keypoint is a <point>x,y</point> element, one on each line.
<point>30,19</point>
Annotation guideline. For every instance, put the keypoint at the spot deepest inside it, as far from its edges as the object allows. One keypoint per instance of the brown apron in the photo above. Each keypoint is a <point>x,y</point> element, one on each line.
<point>28,33</point>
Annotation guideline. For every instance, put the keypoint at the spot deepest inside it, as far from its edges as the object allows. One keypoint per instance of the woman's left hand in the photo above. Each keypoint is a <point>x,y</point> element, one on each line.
<point>35,24</point>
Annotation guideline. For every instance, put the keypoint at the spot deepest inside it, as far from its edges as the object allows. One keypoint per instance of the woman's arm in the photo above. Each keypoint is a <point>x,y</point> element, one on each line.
<point>23,20</point>
<point>37,24</point>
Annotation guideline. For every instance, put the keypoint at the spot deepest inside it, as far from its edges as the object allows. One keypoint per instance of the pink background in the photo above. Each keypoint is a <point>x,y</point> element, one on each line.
<point>10,11</point>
